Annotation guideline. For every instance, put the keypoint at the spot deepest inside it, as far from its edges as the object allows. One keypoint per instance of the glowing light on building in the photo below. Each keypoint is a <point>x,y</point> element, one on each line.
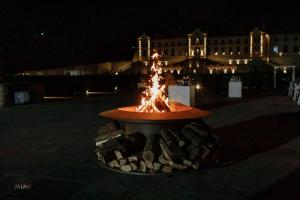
<point>251,44</point>
<point>230,62</point>
<point>166,62</point>
<point>205,45</point>
<point>216,53</point>
<point>190,44</point>
<point>231,53</point>
<point>178,71</point>
<point>232,70</point>
<point>284,70</point>
<point>238,61</point>
<point>210,71</point>
<point>261,44</point>
<point>246,61</point>
<point>280,53</point>
<point>223,53</point>
<point>117,73</point>
<point>225,71</point>
<point>198,87</point>
<point>190,65</point>
<point>140,48</point>
<point>195,71</point>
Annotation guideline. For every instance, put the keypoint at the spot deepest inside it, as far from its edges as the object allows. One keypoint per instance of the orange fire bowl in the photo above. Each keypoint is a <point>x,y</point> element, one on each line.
<point>152,123</point>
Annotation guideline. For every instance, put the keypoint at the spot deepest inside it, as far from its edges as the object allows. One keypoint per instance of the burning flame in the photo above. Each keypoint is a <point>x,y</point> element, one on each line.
<point>154,98</point>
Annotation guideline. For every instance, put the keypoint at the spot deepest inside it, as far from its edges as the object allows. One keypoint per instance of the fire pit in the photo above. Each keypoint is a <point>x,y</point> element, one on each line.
<point>152,123</point>
<point>156,136</point>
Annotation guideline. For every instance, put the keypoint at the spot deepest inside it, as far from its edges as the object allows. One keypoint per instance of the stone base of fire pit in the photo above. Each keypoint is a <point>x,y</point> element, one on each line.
<point>167,151</point>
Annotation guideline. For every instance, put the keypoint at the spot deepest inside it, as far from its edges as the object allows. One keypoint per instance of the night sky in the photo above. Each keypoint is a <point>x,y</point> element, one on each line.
<point>41,35</point>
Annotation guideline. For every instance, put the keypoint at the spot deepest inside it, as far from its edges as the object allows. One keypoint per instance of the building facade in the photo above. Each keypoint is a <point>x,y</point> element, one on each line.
<point>235,50</point>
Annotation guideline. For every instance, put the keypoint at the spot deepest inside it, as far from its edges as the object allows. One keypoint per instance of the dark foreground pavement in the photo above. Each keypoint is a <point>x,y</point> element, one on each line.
<point>50,147</point>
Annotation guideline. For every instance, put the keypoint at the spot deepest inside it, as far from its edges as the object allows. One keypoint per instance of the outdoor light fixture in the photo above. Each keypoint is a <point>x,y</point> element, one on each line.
<point>195,71</point>
<point>245,61</point>
<point>225,71</point>
<point>238,61</point>
<point>284,70</point>
<point>116,73</point>
<point>230,62</point>
<point>210,71</point>
<point>198,86</point>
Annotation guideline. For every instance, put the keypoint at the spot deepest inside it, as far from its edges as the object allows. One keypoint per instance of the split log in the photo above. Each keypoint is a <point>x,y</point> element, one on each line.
<point>142,166</point>
<point>132,158</point>
<point>171,153</point>
<point>196,166</point>
<point>150,149</point>
<point>187,162</point>
<point>194,153</point>
<point>197,128</point>
<point>192,137</point>
<point>180,142</point>
<point>123,162</point>
<point>169,139</point>
<point>100,139</point>
<point>118,155</point>
<point>206,152</point>
<point>133,166</point>
<point>126,168</point>
<point>156,166</point>
<point>113,164</point>
<point>166,169</point>
<point>100,157</point>
<point>162,159</point>
<point>177,166</point>
<point>149,165</point>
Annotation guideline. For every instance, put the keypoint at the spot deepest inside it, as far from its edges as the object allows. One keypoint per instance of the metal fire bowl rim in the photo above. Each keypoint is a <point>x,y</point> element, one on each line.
<point>128,114</point>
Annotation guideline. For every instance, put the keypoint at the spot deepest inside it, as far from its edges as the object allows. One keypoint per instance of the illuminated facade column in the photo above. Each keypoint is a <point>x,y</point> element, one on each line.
<point>261,44</point>
<point>148,48</point>
<point>190,45</point>
<point>251,44</point>
<point>204,45</point>
<point>268,47</point>
<point>140,48</point>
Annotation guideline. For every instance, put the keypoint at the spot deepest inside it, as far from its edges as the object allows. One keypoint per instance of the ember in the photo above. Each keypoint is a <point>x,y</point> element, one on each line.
<point>154,97</point>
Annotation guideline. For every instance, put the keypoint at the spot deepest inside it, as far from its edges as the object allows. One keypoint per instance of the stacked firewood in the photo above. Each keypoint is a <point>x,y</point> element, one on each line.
<point>190,147</point>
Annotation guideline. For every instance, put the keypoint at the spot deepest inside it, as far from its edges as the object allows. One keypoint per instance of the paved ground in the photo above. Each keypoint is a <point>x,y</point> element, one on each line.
<point>51,147</point>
